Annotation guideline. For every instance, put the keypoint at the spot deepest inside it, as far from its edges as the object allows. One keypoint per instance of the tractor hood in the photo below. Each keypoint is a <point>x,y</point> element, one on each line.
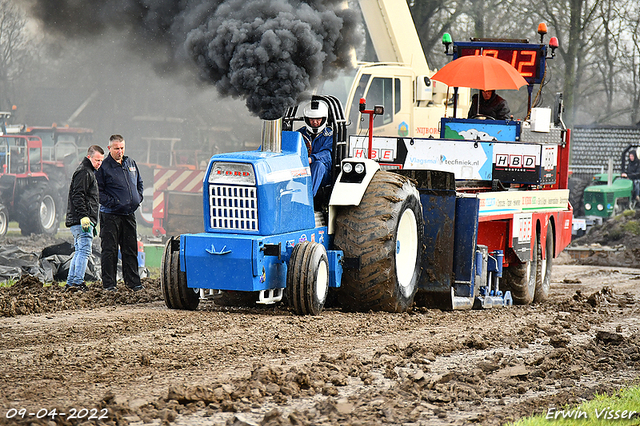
<point>260,192</point>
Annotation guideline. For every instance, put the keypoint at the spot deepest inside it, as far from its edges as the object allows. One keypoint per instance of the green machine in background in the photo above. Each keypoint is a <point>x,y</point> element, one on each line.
<point>608,197</point>
<point>607,200</point>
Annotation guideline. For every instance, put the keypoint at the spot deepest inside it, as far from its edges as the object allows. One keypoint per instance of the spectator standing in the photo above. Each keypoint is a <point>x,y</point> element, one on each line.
<point>82,215</point>
<point>121,191</point>
<point>633,172</point>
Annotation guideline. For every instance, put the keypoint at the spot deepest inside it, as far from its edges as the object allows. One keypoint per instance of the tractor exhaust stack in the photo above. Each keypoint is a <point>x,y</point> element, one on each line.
<point>272,135</point>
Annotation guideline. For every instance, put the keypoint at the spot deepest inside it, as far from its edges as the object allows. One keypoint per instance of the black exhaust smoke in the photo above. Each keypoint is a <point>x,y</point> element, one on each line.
<point>268,52</point>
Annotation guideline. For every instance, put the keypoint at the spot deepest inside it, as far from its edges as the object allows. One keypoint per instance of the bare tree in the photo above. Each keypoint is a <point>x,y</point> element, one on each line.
<point>17,51</point>
<point>630,62</point>
<point>433,18</point>
<point>575,23</point>
<point>468,18</point>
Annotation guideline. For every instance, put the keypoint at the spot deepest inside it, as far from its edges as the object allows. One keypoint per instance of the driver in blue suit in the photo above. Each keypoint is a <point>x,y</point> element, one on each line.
<point>319,140</point>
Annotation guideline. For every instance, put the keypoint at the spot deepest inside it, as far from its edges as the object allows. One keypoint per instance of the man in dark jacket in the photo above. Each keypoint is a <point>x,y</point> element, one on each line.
<point>121,190</point>
<point>633,173</point>
<point>82,215</point>
<point>491,105</point>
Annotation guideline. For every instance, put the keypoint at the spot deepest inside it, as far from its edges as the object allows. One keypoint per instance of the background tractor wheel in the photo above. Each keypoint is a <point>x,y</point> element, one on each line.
<point>576,195</point>
<point>308,278</point>
<point>144,214</point>
<point>4,220</point>
<point>384,236</point>
<point>39,210</point>
<point>543,271</point>
<point>174,282</point>
<point>520,278</point>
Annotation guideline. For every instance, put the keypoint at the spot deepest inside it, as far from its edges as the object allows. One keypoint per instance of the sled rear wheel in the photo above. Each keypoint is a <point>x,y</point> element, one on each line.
<point>520,278</point>
<point>544,267</point>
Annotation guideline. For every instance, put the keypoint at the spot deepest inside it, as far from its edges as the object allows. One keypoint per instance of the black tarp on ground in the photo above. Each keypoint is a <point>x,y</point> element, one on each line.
<point>14,262</point>
<point>52,264</point>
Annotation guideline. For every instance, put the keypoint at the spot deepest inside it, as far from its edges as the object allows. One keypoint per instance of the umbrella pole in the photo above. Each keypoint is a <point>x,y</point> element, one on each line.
<point>446,103</point>
<point>455,101</point>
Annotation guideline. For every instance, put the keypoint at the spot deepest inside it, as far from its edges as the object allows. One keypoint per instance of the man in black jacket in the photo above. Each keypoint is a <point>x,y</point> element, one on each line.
<point>82,215</point>
<point>491,105</point>
<point>121,190</point>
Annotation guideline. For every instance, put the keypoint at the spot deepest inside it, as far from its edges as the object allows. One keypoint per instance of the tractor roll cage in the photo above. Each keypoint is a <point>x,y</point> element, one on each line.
<point>335,120</point>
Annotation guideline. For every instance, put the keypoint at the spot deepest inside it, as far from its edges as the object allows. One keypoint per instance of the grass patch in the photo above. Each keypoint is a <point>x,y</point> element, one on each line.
<point>7,283</point>
<point>632,227</point>
<point>622,408</point>
<point>154,272</point>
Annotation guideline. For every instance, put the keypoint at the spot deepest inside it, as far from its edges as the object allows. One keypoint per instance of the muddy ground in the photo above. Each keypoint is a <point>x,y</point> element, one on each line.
<point>128,358</point>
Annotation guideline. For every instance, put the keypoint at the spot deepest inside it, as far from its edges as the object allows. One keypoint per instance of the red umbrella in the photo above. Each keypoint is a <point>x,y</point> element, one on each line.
<point>480,72</point>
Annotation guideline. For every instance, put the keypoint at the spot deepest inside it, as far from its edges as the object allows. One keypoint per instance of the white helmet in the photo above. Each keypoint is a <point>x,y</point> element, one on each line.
<point>316,109</point>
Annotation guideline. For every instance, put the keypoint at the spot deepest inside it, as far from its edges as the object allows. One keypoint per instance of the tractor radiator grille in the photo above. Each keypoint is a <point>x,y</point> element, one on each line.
<point>610,197</point>
<point>233,207</point>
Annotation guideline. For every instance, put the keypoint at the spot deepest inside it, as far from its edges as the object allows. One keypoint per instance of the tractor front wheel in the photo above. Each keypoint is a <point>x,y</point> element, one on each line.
<point>308,278</point>
<point>382,239</point>
<point>174,282</point>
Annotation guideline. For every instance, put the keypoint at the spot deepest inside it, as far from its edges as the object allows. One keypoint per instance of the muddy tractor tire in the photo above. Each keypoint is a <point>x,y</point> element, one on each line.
<point>39,209</point>
<point>4,220</point>
<point>520,278</point>
<point>173,281</point>
<point>308,278</point>
<point>382,242</point>
<point>544,267</point>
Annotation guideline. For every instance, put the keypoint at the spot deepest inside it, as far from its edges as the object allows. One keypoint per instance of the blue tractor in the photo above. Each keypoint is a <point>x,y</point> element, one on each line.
<point>362,237</point>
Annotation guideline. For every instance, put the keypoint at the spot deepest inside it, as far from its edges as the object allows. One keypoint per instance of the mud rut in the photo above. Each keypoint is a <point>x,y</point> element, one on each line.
<point>127,353</point>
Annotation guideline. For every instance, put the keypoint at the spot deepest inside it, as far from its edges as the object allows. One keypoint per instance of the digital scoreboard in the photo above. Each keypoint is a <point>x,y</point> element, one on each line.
<point>528,59</point>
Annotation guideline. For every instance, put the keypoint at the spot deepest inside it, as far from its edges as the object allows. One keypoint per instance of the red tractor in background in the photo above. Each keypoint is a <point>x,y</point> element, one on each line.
<point>34,179</point>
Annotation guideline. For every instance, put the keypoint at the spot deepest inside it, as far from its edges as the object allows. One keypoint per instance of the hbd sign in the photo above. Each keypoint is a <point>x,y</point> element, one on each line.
<point>515,161</point>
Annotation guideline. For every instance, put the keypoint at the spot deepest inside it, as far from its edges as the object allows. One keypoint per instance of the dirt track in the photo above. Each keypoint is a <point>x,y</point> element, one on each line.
<point>137,361</point>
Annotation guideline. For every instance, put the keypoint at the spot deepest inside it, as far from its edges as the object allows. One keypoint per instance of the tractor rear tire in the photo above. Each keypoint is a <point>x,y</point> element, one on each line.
<point>544,267</point>
<point>39,210</point>
<point>520,278</point>
<point>308,278</point>
<point>174,282</point>
<point>383,235</point>
<point>4,220</point>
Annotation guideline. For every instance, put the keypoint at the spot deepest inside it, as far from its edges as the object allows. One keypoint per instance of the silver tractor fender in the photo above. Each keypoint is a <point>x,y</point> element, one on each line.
<point>353,180</point>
